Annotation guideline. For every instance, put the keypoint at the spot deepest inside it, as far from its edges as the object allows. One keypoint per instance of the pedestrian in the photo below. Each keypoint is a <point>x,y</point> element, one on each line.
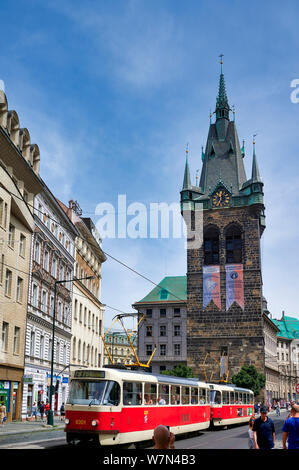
<point>42,410</point>
<point>163,438</point>
<point>62,412</point>
<point>3,416</point>
<point>263,431</point>
<point>47,407</point>
<point>278,409</point>
<point>34,410</point>
<point>250,434</point>
<point>290,430</point>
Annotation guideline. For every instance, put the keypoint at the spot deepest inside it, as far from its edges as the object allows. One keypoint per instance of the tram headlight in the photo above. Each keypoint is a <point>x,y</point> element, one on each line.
<point>95,422</point>
<point>67,421</point>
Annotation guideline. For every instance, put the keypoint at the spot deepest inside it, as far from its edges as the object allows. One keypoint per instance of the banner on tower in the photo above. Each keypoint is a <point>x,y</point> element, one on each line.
<point>234,285</point>
<point>211,285</point>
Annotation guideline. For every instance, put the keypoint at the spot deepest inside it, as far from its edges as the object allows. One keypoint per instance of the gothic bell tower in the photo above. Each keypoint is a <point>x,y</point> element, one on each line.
<point>224,279</point>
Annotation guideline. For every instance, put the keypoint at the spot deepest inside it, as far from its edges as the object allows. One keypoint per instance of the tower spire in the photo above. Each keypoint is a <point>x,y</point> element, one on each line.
<point>187,179</point>
<point>255,174</point>
<point>222,106</point>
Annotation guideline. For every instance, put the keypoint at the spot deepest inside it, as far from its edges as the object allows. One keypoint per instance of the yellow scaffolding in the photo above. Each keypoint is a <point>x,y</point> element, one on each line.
<point>137,363</point>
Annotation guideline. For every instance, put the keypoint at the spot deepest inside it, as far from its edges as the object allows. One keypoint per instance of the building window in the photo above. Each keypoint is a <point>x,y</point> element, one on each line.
<point>4,337</point>
<point>177,330</point>
<point>37,252</point>
<point>16,340</point>
<point>32,343</point>
<point>22,249</point>
<point>233,241</point>
<point>149,330</point>
<point>211,246</point>
<point>11,236</point>
<point>177,349</point>
<point>149,313</point>
<point>54,267</point>
<point>34,300</point>
<point>75,309</point>
<point>177,312</point>
<point>44,301</point>
<point>163,330</point>
<point>149,349</point>
<point>8,281</point>
<point>19,289</point>
<point>41,346</point>
<point>46,261</point>
<point>162,349</point>
<point>162,312</point>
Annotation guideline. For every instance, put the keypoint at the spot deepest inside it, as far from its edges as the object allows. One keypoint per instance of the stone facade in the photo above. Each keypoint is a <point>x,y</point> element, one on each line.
<point>237,333</point>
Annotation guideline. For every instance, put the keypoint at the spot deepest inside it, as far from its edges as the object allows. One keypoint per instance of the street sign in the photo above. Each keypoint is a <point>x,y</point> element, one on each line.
<point>297,388</point>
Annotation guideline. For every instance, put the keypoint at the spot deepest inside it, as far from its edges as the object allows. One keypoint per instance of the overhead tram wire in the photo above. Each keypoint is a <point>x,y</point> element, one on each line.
<point>79,295</point>
<point>96,246</point>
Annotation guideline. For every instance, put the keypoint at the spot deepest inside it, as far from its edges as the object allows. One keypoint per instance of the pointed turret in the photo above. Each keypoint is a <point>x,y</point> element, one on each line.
<point>255,174</point>
<point>187,179</point>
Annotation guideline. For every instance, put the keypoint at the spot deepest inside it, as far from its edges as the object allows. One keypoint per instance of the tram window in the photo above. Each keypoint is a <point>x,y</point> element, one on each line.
<point>225,398</point>
<point>231,397</point>
<point>150,394</point>
<point>112,394</point>
<point>185,395</point>
<point>175,395</point>
<point>194,396</point>
<point>244,398</point>
<point>251,399</point>
<point>132,392</point>
<point>215,396</point>
<point>202,396</point>
<point>247,398</point>
<point>163,398</point>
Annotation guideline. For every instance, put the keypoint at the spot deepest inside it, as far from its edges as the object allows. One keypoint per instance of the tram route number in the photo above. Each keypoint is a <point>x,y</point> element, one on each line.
<point>150,459</point>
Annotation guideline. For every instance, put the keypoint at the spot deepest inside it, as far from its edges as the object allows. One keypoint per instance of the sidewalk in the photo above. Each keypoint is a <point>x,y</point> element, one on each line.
<point>20,427</point>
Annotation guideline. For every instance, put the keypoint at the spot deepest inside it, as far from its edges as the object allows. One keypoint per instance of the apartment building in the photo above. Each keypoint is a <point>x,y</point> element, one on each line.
<point>19,184</point>
<point>52,261</point>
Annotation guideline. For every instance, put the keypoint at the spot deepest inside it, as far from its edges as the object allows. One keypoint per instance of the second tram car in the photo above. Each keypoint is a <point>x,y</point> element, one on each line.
<point>122,406</point>
<point>230,404</point>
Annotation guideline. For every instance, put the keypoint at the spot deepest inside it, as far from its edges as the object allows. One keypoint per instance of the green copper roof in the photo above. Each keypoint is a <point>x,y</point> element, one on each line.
<point>170,285</point>
<point>288,326</point>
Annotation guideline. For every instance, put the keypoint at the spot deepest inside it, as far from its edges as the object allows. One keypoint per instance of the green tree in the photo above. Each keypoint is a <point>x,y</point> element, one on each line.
<point>180,371</point>
<point>249,377</point>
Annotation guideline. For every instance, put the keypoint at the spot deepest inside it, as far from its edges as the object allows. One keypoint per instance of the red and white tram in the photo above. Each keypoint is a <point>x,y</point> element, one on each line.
<point>230,404</point>
<point>117,406</point>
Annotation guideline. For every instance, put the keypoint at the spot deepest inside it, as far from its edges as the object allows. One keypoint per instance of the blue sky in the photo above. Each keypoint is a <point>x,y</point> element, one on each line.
<point>112,92</point>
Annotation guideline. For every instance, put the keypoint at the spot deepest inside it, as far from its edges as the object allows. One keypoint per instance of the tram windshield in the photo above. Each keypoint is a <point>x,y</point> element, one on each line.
<point>88,392</point>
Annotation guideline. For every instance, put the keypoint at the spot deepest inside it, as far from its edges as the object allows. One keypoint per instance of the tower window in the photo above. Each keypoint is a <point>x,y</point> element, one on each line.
<point>233,245</point>
<point>211,247</point>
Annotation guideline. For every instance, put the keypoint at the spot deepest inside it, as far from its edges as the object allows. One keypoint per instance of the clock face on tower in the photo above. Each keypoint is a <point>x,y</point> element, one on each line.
<point>221,198</point>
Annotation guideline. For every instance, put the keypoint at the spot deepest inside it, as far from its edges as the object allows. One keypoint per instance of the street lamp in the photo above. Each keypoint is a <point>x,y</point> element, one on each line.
<point>50,412</point>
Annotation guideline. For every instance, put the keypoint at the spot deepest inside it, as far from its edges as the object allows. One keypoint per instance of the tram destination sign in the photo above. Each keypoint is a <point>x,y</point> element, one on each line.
<point>94,374</point>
